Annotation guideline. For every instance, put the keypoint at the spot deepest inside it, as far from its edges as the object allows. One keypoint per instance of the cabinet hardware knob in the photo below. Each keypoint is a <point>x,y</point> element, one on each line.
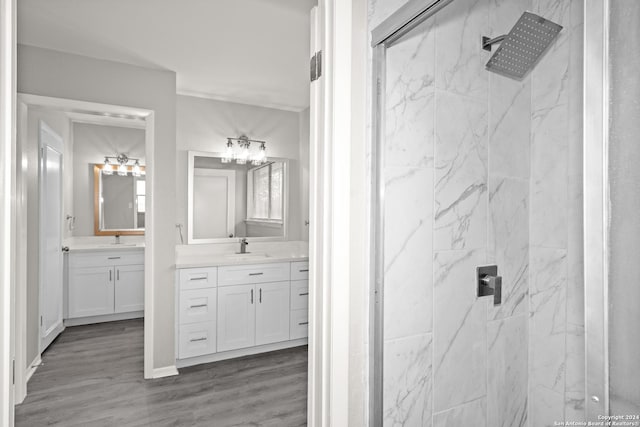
<point>114,257</point>
<point>304,271</point>
<point>303,294</point>
<point>303,323</point>
<point>251,296</point>
<point>110,279</point>
<point>198,339</point>
<point>260,295</point>
<point>198,306</point>
<point>197,278</point>
<point>256,274</point>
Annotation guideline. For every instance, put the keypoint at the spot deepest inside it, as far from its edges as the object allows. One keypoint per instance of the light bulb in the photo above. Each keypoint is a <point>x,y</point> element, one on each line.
<point>135,171</point>
<point>108,168</point>
<point>228,154</point>
<point>244,154</point>
<point>122,169</point>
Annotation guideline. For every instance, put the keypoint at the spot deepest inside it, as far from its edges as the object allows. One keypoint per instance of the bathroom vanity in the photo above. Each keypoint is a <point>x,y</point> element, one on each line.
<point>232,305</point>
<point>104,282</point>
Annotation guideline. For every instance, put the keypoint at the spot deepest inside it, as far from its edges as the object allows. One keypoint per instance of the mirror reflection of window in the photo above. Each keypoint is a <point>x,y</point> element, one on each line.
<point>265,192</point>
<point>140,201</point>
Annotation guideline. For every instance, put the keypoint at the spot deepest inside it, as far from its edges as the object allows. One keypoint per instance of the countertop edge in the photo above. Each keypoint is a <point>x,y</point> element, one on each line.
<point>199,264</point>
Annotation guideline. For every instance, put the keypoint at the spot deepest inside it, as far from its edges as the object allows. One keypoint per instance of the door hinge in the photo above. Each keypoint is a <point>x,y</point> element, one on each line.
<point>13,371</point>
<point>316,66</point>
<point>40,320</point>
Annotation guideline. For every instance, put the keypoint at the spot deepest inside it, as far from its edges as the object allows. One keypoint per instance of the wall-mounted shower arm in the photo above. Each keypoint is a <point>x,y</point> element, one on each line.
<point>487,42</point>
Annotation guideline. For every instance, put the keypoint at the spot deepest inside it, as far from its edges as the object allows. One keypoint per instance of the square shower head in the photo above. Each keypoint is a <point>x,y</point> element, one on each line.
<point>523,47</point>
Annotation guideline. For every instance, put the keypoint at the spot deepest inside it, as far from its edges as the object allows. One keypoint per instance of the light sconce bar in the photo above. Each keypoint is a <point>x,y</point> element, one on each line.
<point>242,154</point>
<point>121,165</point>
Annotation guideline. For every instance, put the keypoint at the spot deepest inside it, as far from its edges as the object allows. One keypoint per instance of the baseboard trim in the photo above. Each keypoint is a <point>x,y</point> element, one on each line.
<point>31,369</point>
<point>232,354</point>
<point>106,318</point>
<point>166,371</point>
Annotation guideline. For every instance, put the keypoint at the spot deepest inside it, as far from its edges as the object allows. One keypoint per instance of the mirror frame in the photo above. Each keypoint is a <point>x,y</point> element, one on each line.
<point>97,171</point>
<point>285,207</point>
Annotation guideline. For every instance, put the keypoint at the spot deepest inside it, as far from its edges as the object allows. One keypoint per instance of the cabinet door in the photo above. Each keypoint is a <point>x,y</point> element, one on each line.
<point>91,291</point>
<point>236,317</point>
<point>129,292</point>
<point>272,312</point>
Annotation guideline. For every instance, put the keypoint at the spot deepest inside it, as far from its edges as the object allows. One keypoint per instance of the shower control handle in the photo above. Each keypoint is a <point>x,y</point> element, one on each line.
<point>489,283</point>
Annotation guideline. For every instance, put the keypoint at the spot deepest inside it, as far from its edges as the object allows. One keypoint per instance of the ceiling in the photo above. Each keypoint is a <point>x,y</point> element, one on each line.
<point>247,51</point>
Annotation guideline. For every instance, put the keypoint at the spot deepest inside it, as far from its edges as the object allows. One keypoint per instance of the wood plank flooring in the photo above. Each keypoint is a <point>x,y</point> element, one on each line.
<point>93,376</point>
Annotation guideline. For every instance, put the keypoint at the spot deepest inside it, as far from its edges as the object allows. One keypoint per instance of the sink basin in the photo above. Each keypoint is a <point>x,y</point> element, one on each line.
<point>248,255</point>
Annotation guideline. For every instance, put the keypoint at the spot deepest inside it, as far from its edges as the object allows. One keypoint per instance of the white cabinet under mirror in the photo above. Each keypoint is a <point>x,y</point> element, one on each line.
<point>228,201</point>
<point>104,284</point>
<point>231,311</point>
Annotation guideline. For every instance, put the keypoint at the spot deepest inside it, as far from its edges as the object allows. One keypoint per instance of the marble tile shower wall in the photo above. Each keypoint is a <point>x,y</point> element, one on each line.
<point>463,187</point>
<point>556,346</point>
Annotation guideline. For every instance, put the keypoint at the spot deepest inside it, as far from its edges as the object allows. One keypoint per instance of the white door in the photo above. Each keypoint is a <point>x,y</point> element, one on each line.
<point>214,203</point>
<point>91,291</point>
<point>129,288</point>
<point>236,317</point>
<point>51,149</point>
<point>272,312</point>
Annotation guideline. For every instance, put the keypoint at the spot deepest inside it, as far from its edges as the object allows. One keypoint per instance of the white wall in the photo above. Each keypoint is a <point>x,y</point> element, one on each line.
<point>90,144</point>
<point>61,75</point>
<point>205,124</point>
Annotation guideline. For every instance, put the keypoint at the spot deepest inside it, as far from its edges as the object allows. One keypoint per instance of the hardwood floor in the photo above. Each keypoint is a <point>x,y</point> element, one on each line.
<point>93,376</point>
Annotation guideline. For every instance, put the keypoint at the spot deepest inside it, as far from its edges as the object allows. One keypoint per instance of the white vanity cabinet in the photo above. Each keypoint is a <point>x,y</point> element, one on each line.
<point>105,283</point>
<point>299,319</point>
<point>246,309</point>
<point>253,305</point>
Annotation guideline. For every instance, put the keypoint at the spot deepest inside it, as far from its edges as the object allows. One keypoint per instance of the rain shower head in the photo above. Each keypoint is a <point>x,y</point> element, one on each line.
<point>523,47</point>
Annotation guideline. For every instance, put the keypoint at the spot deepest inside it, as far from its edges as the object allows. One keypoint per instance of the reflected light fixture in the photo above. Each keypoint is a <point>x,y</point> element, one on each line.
<point>241,152</point>
<point>122,161</point>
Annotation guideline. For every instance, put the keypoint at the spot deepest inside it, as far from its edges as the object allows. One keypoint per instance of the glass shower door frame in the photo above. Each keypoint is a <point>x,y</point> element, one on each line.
<point>383,36</point>
<point>596,214</point>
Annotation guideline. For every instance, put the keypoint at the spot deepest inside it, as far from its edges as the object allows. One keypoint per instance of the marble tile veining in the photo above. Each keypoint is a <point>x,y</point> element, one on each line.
<point>546,407</point>
<point>508,242</point>
<point>410,99</point>
<point>460,335</point>
<point>548,318</point>
<point>469,414</point>
<point>408,288</point>
<point>508,372</point>
<point>461,172</point>
<point>459,58</point>
<point>407,382</point>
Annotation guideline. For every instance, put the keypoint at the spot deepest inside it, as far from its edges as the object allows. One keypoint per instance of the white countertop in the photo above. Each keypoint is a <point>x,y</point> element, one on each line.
<point>104,243</point>
<point>216,255</point>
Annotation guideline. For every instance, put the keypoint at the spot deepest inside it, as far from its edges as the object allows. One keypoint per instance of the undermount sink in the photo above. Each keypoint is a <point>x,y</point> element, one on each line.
<point>248,255</point>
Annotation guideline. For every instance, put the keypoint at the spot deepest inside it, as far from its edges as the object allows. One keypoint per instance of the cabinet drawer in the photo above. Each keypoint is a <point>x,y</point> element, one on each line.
<point>299,295</point>
<point>300,270</point>
<point>197,305</point>
<point>257,273</point>
<point>100,259</point>
<point>299,327</point>
<point>197,339</point>
<point>198,278</point>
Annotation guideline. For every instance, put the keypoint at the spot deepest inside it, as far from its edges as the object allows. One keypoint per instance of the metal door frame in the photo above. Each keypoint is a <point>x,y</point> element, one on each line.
<point>383,36</point>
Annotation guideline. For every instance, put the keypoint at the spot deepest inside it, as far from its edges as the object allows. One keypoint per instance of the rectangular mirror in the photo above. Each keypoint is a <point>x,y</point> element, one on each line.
<point>119,203</point>
<point>227,201</point>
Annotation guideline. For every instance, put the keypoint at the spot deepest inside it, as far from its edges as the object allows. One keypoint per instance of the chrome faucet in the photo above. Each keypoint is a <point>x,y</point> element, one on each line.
<point>243,246</point>
<point>117,239</point>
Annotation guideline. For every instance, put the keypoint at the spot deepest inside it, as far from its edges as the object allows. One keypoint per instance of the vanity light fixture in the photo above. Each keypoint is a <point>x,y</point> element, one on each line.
<point>242,154</point>
<point>123,167</point>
